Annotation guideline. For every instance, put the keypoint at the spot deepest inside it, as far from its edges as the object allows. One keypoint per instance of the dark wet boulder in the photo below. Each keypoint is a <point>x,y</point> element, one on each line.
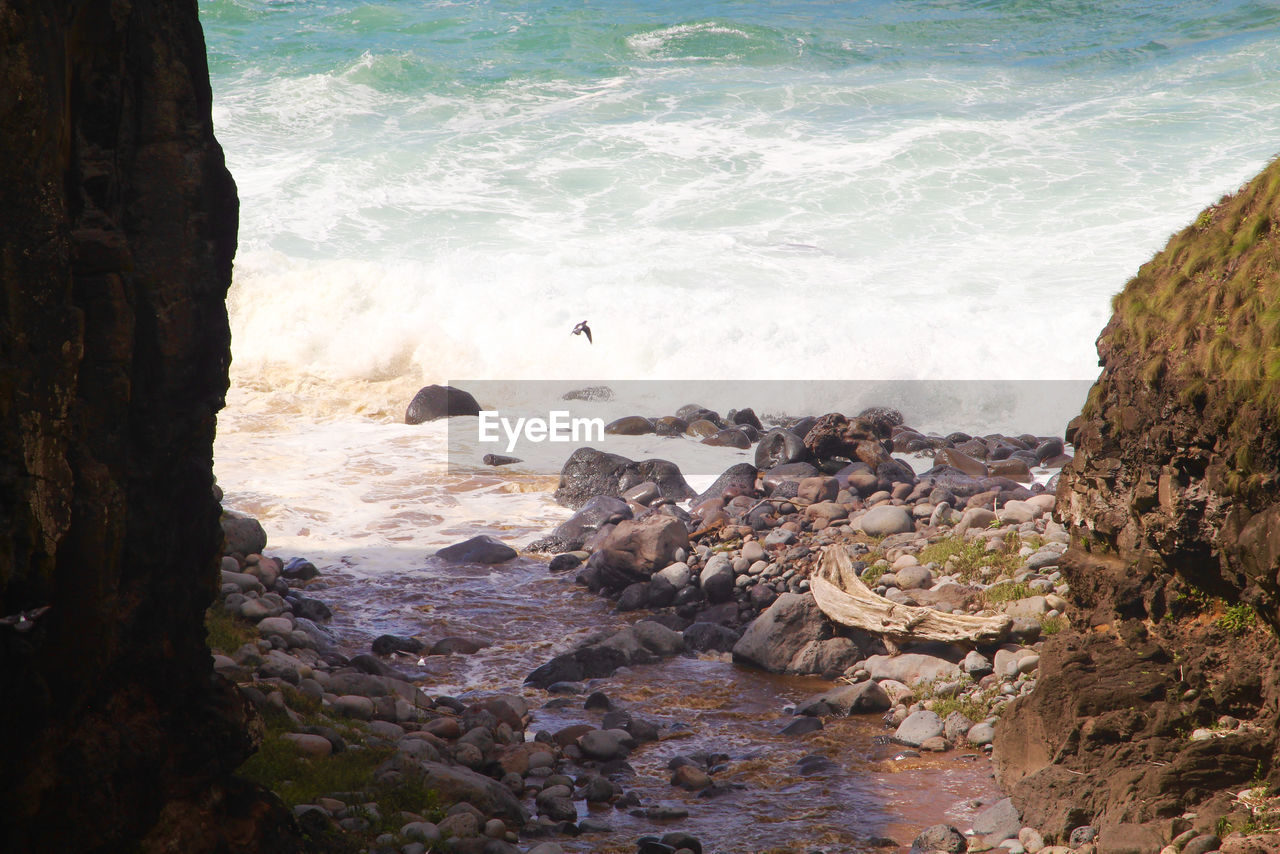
<point>629,425</point>
<point>745,416</point>
<point>710,637</point>
<point>670,425</point>
<point>895,471</point>
<point>738,479</point>
<point>780,447</point>
<point>730,437</point>
<point>479,549</point>
<point>881,419</point>
<point>666,474</point>
<point>794,636</point>
<point>589,472</point>
<point>693,412</point>
<point>596,513</point>
<point>499,460</point>
<point>440,401</point>
<point>388,644</point>
<point>299,569</point>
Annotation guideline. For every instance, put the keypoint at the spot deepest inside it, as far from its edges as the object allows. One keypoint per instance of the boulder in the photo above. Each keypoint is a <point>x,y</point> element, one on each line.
<point>439,401</point>
<point>739,479</point>
<point>861,698</point>
<point>479,549</point>
<point>940,838</point>
<point>918,728</point>
<point>998,822</point>
<point>779,639</point>
<point>589,472</point>
<point>594,514</point>
<point>885,519</point>
<point>455,785</point>
<point>244,534</point>
<point>710,637</point>
<point>629,425</point>
<point>651,542</point>
<point>911,668</point>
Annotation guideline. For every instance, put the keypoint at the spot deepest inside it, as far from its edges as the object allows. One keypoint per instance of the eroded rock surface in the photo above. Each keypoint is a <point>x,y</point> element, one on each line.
<point>1172,501</point>
<point>117,234</point>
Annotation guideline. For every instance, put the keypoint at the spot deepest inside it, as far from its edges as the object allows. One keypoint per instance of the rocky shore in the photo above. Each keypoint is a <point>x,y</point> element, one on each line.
<point>730,577</point>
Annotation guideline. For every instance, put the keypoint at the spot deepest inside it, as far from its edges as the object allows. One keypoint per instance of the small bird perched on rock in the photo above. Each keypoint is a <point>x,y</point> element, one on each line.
<point>581,328</point>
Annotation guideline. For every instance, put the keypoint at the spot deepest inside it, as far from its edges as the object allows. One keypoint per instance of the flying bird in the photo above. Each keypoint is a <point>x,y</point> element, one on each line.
<point>581,328</point>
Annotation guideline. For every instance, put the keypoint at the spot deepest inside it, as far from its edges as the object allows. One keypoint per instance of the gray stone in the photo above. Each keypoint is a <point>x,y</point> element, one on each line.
<point>918,728</point>
<point>479,549</point>
<point>456,785</point>
<point>677,574</point>
<point>911,668</point>
<point>977,665</point>
<point>862,698</point>
<point>244,534</point>
<point>717,579</point>
<point>885,519</point>
<point>998,822</point>
<point>914,578</point>
<point>658,639</point>
<point>940,837</point>
<point>1202,844</point>
<point>777,640</point>
<point>603,745</point>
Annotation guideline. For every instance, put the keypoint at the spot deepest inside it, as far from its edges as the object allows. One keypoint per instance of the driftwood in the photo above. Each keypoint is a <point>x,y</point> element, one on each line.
<point>843,597</point>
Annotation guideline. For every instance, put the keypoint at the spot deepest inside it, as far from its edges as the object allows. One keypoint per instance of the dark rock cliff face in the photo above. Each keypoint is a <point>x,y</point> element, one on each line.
<point>1174,505</point>
<point>117,230</point>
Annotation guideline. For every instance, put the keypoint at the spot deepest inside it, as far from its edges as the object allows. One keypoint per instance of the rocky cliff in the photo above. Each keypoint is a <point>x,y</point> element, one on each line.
<point>117,230</point>
<point>1164,697</point>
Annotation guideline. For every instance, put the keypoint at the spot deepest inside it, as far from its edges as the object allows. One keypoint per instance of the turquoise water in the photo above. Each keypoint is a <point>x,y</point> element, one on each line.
<point>839,190</point>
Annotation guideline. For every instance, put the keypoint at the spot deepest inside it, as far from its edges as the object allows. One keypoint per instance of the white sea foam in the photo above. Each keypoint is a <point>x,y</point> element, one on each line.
<point>405,221</point>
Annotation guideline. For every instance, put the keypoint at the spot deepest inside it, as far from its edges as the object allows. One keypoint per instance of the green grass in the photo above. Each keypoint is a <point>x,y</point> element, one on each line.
<point>1052,625</point>
<point>971,555</point>
<point>1006,591</point>
<point>225,632</point>
<point>1236,619</point>
<point>1212,297</point>
<point>975,708</point>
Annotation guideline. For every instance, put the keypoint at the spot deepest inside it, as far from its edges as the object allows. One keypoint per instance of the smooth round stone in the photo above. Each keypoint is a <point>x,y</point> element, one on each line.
<point>311,745</point>
<point>886,519</point>
<point>914,577</point>
<point>1042,559</point>
<point>275,626</point>
<point>629,425</point>
<point>354,706</point>
<point>904,561</point>
<point>602,745</point>
<point>981,734</point>
<point>918,728</point>
<point>678,574</point>
<point>753,551</point>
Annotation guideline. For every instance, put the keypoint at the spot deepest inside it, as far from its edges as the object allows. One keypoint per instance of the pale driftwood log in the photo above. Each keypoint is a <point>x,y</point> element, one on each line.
<point>843,597</point>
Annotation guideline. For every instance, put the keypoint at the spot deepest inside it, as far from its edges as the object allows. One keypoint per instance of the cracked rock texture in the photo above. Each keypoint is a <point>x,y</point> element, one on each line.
<point>1173,503</point>
<point>117,230</point>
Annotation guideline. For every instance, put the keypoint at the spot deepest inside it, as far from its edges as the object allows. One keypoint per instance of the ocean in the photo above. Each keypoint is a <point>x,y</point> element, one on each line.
<point>795,205</point>
<point>729,192</point>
